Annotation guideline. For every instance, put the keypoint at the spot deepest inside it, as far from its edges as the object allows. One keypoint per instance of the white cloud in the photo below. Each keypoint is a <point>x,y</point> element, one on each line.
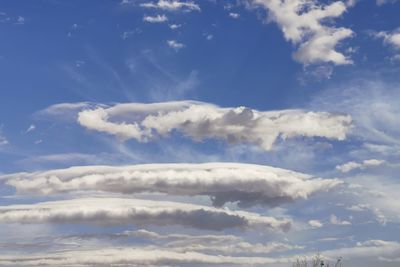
<point>315,223</point>
<point>382,2</point>
<point>120,211</point>
<point>303,24</point>
<point>175,26</point>
<point>234,15</point>
<point>209,244</point>
<point>20,20</point>
<point>135,257</point>
<point>373,105</point>
<point>31,128</point>
<point>3,140</point>
<point>63,111</point>
<point>172,5</point>
<point>391,39</point>
<point>377,250</point>
<point>175,45</point>
<point>209,37</point>
<point>155,19</point>
<point>200,121</point>
<point>17,20</point>
<point>336,221</point>
<point>349,166</point>
<point>224,182</point>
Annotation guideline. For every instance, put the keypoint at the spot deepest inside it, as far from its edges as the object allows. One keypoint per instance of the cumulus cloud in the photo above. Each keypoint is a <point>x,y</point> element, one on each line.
<point>336,221</point>
<point>234,15</point>
<point>172,5</point>
<point>315,223</point>
<point>391,39</point>
<point>349,166</point>
<point>175,45</point>
<point>304,24</point>
<point>155,19</point>
<point>120,211</point>
<point>247,184</point>
<point>175,26</point>
<point>199,121</point>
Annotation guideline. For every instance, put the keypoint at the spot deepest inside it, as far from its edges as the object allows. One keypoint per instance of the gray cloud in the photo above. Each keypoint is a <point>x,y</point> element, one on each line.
<point>247,184</point>
<point>129,256</point>
<point>118,211</point>
<point>200,121</point>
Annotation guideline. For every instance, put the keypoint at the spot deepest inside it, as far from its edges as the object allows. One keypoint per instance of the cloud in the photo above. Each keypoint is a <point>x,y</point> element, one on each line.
<point>155,19</point>
<point>382,2</point>
<point>234,15</point>
<point>31,128</point>
<point>315,223</point>
<point>303,23</point>
<point>247,184</point>
<point>175,45</point>
<point>123,211</point>
<point>3,140</point>
<point>172,5</point>
<point>336,221</point>
<point>347,167</point>
<point>372,251</point>
<point>175,26</point>
<point>16,20</point>
<point>63,111</point>
<point>136,257</point>
<point>200,121</point>
<point>209,244</point>
<point>391,39</point>
<point>372,103</point>
<point>377,250</point>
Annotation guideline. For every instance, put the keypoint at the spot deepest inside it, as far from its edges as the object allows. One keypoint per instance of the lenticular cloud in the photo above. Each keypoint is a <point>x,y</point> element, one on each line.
<point>247,184</point>
<point>200,121</point>
<point>120,211</point>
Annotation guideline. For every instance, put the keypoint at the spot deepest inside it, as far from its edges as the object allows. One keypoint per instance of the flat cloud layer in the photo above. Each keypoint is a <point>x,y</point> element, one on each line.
<point>247,184</point>
<point>129,257</point>
<point>376,251</point>
<point>120,211</point>
<point>199,121</point>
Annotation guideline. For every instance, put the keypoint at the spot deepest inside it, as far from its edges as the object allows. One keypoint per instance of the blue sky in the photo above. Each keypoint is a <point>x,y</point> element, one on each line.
<point>286,110</point>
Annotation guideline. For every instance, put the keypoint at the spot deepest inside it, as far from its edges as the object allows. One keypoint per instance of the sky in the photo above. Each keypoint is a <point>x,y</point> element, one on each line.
<point>199,132</point>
